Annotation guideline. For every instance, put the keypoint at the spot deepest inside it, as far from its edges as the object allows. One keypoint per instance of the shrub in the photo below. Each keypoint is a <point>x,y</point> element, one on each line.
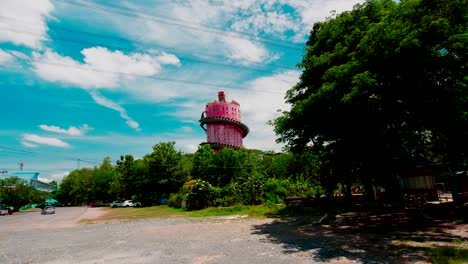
<point>200,195</point>
<point>250,191</point>
<point>274,191</point>
<point>175,199</point>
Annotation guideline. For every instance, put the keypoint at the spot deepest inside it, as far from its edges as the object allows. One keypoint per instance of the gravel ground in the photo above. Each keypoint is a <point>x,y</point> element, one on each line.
<point>233,239</point>
<point>173,240</point>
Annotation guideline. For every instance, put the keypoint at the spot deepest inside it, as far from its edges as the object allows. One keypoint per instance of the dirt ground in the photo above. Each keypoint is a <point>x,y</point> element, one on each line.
<point>386,236</point>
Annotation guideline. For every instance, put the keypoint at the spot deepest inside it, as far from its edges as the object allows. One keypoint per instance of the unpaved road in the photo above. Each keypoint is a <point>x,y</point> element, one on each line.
<point>60,239</point>
<point>30,220</point>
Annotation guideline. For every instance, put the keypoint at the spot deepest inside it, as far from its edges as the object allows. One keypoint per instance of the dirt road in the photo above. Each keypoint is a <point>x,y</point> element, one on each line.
<point>60,239</point>
<point>30,220</point>
<point>35,238</point>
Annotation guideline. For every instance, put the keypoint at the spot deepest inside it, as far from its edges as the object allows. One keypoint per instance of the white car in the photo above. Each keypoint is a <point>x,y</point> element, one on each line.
<point>130,203</point>
<point>126,203</point>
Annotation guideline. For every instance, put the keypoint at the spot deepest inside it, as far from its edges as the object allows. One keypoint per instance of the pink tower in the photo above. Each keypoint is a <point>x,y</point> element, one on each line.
<point>221,121</point>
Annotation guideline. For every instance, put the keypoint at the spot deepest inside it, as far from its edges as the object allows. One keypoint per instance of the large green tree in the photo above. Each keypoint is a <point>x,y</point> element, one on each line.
<point>382,80</point>
<point>164,169</point>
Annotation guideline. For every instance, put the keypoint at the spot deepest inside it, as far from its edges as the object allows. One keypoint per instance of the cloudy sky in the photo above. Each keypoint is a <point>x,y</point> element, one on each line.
<point>93,78</point>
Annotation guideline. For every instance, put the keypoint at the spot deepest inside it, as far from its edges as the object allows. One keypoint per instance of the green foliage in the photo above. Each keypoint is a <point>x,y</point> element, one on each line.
<point>250,189</point>
<point>448,255</point>
<point>382,80</point>
<point>165,174</point>
<point>17,192</point>
<point>248,177</point>
<point>274,191</point>
<point>199,195</point>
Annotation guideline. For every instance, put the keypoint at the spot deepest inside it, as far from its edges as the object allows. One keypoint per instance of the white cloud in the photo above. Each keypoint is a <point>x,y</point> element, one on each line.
<point>311,12</point>
<point>53,67</point>
<point>46,180</point>
<point>71,131</point>
<point>28,145</point>
<point>260,103</point>
<point>5,57</point>
<point>271,22</point>
<point>103,69</point>
<point>57,176</point>
<point>166,58</point>
<point>245,51</point>
<point>198,23</point>
<point>185,129</point>
<point>101,100</point>
<point>34,12</point>
<point>36,139</point>
<point>19,54</point>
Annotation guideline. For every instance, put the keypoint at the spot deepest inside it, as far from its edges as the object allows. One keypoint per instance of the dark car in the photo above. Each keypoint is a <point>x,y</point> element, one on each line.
<point>4,210</point>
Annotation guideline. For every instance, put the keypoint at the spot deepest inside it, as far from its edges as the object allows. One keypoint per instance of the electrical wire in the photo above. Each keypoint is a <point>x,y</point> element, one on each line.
<point>243,10</point>
<point>143,44</point>
<point>21,152</point>
<point>129,50</point>
<point>176,22</point>
<point>48,156</point>
<point>145,76</point>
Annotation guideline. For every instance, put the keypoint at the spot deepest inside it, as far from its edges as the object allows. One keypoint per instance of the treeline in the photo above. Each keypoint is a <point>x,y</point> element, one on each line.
<point>17,192</point>
<point>204,178</point>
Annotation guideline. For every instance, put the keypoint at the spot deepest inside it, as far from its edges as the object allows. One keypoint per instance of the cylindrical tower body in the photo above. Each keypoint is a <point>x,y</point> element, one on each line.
<point>223,123</point>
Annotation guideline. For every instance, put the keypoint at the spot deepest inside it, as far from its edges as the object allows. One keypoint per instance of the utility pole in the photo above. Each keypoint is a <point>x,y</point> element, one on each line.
<point>78,164</point>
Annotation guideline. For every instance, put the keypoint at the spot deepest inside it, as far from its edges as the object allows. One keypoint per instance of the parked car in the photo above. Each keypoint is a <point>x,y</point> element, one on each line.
<point>5,210</point>
<point>130,203</point>
<point>48,210</point>
<point>116,204</point>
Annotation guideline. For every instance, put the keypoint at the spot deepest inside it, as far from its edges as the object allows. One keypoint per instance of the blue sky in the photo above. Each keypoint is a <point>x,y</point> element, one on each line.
<point>93,78</point>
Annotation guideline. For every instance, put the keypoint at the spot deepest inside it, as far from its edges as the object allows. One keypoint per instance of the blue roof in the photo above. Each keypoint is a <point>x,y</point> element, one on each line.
<point>26,174</point>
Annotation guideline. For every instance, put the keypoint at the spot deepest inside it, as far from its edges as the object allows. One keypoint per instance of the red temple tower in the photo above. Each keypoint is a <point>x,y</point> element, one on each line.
<point>221,121</point>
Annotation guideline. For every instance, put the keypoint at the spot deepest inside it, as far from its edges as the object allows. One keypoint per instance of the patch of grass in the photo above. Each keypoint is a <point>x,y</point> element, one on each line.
<point>258,211</point>
<point>131,213</point>
<point>448,255</point>
<point>164,211</point>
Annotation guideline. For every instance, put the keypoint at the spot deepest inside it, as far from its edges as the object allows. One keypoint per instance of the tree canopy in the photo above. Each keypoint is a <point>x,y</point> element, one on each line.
<point>381,81</point>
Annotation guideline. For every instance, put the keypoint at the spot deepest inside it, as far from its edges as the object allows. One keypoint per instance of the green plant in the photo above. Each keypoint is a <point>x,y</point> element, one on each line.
<point>199,195</point>
<point>274,191</point>
<point>448,255</point>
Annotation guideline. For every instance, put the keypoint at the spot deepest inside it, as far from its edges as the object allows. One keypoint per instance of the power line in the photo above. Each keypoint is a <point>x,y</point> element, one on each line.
<point>129,50</point>
<point>243,10</point>
<point>140,43</point>
<point>144,76</point>
<point>115,161</point>
<point>177,22</point>
<point>21,152</point>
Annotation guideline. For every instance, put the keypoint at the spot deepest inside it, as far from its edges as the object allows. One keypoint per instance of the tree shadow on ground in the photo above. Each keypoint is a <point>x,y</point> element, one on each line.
<point>375,236</point>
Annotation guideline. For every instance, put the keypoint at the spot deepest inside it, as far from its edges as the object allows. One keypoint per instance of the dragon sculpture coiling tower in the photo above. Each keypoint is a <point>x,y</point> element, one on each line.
<point>221,121</point>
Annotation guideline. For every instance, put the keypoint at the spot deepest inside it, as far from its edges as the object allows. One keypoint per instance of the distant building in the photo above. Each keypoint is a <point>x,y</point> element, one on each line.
<point>32,178</point>
<point>221,121</point>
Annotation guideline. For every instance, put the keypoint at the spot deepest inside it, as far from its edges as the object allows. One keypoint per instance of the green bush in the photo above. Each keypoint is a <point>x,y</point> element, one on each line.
<point>200,195</point>
<point>250,191</point>
<point>175,199</point>
<point>225,196</point>
<point>274,191</point>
